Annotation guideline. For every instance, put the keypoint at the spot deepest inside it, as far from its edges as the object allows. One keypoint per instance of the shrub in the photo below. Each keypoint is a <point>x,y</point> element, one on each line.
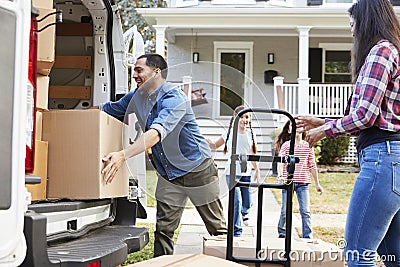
<point>333,149</point>
<point>317,151</point>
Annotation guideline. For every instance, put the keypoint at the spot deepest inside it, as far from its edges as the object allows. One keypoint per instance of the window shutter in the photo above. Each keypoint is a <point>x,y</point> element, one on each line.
<point>314,2</point>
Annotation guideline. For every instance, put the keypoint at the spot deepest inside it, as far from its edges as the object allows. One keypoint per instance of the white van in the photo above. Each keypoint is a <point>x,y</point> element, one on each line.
<point>60,232</point>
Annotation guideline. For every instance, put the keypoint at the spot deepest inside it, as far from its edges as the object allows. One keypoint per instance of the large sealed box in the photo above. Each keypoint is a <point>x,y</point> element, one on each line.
<point>184,260</point>
<point>304,252</point>
<point>38,191</point>
<point>78,140</point>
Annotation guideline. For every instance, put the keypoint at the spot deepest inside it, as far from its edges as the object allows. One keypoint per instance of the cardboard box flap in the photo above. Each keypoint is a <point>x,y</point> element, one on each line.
<point>184,260</point>
<point>304,252</point>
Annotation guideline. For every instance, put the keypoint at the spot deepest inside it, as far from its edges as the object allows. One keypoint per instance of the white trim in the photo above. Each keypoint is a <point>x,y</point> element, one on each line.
<point>338,4</point>
<point>336,46</point>
<point>233,2</point>
<point>220,47</point>
<point>185,3</point>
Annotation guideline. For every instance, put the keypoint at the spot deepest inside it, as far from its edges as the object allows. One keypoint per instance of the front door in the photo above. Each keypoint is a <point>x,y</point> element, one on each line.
<point>232,76</point>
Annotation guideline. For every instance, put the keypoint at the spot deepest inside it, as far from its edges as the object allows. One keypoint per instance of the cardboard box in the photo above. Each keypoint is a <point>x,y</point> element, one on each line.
<point>42,92</point>
<point>304,252</point>
<point>184,260</point>
<point>38,191</point>
<point>47,4</point>
<point>78,140</point>
<point>38,125</point>
<point>46,42</point>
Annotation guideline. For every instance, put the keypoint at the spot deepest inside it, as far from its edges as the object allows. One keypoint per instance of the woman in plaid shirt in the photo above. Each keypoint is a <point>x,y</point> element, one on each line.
<point>373,114</point>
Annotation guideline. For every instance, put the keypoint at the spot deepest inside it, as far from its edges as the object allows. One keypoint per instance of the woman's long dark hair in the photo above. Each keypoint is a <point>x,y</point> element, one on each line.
<point>236,111</point>
<point>374,20</point>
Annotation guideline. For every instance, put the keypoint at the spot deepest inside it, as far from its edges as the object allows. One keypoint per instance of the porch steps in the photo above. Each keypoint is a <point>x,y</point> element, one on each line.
<point>214,128</point>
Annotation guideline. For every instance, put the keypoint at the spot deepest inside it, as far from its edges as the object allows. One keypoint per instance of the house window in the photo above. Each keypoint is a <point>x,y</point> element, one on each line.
<point>336,67</point>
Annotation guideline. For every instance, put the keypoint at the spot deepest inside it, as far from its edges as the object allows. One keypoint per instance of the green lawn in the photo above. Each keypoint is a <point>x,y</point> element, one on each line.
<point>336,196</point>
<point>151,182</point>
<point>328,234</point>
<point>335,199</point>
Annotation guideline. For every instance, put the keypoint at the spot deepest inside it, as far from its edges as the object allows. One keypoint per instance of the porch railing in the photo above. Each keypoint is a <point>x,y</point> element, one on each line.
<point>324,100</point>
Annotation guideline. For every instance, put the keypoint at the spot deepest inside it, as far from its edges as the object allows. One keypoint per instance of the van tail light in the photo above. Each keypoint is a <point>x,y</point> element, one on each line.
<point>31,98</point>
<point>94,264</point>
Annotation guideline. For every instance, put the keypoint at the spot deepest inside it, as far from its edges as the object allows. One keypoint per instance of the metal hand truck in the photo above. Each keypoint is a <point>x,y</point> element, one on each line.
<point>290,161</point>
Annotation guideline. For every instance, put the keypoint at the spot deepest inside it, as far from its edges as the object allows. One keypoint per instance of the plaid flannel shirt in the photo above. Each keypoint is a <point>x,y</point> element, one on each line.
<point>375,100</point>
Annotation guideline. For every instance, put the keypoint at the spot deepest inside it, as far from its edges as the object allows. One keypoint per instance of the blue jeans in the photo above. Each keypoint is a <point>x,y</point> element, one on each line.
<point>242,203</point>
<point>373,219</point>
<point>303,196</point>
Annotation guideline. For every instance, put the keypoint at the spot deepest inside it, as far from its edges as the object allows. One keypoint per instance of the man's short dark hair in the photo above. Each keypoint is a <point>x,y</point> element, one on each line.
<point>156,61</point>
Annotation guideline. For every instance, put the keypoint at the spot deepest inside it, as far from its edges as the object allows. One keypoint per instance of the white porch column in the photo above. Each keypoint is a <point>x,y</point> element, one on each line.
<point>160,39</point>
<point>278,93</point>
<point>303,80</point>
<point>187,85</point>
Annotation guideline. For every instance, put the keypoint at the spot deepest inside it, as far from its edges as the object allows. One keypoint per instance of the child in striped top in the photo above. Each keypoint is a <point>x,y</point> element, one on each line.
<point>301,179</point>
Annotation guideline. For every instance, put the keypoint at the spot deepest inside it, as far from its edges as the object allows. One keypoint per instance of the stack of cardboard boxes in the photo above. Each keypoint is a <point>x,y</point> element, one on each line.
<point>304,252</point>
<point>70,144</point>
<point>45,56</point>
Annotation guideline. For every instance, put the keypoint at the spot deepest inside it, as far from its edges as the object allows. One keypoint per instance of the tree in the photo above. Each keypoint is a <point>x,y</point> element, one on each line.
<point>130,17</point>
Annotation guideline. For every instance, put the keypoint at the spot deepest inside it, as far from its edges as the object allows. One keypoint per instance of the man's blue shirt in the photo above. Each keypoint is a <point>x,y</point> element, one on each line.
<point>167,109</point>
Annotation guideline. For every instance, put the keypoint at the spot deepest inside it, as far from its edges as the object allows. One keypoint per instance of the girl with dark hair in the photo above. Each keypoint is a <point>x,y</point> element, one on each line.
<point>246,144</point>
<point>373,113</point>
<point>283,136</point>
<point>301,178</point>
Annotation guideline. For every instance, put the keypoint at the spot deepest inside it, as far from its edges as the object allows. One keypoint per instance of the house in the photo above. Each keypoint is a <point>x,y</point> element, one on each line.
<point>289,54</point>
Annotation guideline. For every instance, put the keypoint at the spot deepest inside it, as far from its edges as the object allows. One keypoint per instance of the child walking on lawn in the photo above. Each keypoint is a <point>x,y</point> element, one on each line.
<point>301,179</point>
<point>246,144</point>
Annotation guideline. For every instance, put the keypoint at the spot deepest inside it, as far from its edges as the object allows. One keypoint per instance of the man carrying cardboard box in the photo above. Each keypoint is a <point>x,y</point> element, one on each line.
<point>181,154</point>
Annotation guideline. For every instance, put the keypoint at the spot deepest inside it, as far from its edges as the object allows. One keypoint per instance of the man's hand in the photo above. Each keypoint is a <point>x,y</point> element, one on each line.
<point>114,162</point>
<point>306,123</point>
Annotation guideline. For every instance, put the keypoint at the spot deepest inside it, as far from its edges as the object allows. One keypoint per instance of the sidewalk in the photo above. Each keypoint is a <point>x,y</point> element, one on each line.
<point>190,239</point>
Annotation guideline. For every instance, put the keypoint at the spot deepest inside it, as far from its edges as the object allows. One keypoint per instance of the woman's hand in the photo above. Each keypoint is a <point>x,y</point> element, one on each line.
<point>114,162</point>
<point>306,123</point>
<point>314,135</point>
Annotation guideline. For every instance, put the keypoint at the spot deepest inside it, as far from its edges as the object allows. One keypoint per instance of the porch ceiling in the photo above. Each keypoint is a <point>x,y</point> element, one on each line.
<point>332,22</point>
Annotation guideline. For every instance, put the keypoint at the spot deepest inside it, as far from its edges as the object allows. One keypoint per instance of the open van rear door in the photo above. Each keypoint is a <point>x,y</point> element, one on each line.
<point>15,22</point>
